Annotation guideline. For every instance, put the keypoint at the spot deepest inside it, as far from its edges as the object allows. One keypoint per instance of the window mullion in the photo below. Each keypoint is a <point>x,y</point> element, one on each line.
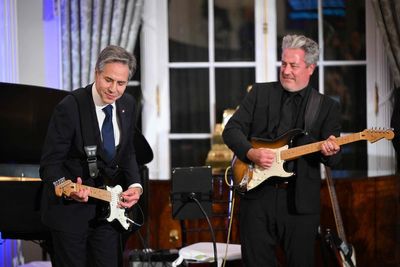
<point>211,59</point>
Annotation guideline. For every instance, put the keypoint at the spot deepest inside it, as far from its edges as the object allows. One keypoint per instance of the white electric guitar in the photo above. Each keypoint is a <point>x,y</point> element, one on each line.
<point>110,195</point>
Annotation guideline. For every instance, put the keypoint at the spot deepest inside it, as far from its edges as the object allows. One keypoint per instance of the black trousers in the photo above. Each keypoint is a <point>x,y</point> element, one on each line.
<point>100,246</point>
<point>269,221</point>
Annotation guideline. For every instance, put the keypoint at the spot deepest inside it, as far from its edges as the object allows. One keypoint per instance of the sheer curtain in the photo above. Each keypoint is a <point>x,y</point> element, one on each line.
<point>388,19</point>
<point>9,42</point>
<point>89,26</point>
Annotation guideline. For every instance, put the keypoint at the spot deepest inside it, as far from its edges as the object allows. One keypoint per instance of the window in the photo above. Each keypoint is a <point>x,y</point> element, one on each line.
<point>211,62</point>
<point>202,54</point>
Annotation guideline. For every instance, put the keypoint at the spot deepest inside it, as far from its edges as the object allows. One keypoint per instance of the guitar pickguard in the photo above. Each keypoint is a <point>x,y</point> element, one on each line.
<point>260,174</point>
<point>117,213</point>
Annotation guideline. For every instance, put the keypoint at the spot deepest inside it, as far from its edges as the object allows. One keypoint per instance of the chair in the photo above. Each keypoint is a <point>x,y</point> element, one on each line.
<point>203,252</point>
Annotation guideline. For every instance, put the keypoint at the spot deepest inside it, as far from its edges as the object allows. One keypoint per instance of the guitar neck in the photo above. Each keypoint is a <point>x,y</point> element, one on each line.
<point>98,193</point>
<point>335,205</point>
<point>296,152</point>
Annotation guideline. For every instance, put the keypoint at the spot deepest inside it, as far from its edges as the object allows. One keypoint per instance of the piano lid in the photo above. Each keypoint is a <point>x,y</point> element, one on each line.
<point>25,113</point>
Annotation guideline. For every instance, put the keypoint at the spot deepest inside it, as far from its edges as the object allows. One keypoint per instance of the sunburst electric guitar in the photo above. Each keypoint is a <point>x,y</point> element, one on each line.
<point>248,176</point>
<point>110,194</point>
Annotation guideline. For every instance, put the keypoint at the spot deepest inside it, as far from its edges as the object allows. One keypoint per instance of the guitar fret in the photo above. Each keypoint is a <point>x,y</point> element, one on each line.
<point>98,193</point>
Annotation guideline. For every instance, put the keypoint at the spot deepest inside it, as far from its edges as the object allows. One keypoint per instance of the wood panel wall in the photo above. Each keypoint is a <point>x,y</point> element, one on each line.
<point>370,209</point>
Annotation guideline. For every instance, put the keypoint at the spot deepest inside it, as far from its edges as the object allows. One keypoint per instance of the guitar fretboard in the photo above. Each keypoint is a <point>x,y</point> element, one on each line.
<point>98,193</point>
<point>296,152</point>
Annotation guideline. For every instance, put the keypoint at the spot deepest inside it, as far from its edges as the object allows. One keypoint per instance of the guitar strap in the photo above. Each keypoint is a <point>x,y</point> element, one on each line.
<point>89,143</point>
<point>312,109</point>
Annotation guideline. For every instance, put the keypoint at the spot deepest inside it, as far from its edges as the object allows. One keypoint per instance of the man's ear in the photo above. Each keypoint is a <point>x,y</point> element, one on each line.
<point>311,68</point>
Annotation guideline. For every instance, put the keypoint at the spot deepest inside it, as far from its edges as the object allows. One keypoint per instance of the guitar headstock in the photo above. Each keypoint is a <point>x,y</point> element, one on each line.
<point>64,187</point>
<point>377,134</point>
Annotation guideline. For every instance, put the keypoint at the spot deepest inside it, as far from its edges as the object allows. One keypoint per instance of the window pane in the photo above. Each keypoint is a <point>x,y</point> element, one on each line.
<point>188,153</point>
<point>234,30</point>
<point>189,101</point>
<point>296,17</point>
<point>344,29</point>
<point>354,161</point>
<point>231,85</point>
<point>347,85</point>
<point>188,30</point>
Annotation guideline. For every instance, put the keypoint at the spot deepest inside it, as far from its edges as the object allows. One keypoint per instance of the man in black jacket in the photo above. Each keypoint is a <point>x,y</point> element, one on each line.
<point>275,210</point>
<point>80,236</point>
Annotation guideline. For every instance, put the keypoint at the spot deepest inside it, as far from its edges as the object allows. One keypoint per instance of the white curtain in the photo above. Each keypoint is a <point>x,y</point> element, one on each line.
<point>8,43</point>
<point>89,26</point>
<point>388,19</point>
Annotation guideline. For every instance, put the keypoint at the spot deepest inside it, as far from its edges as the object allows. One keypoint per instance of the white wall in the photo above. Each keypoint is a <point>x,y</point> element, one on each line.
<point>38,45</point>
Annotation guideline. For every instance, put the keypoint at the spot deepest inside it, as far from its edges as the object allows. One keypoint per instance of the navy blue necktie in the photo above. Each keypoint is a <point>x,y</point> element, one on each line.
<point>107,131</point>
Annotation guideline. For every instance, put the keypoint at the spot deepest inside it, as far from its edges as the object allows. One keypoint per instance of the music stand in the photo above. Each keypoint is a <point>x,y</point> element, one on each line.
<point>191,196</point>
<point>189,183</point>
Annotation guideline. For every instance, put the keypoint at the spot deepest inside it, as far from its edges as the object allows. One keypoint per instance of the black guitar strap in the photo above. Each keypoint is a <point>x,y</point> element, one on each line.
<point>89,143</point>
<point>312,109</point>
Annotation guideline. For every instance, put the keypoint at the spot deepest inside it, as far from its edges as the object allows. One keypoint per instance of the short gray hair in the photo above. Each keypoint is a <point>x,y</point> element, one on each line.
<point>309,46</point>
<point>113,53</point>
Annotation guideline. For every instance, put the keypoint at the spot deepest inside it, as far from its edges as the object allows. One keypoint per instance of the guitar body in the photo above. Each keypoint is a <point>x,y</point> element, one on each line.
<point>116,213</point>
<point>130,219</point>
<point>343,253</point>
<point>248,176</point>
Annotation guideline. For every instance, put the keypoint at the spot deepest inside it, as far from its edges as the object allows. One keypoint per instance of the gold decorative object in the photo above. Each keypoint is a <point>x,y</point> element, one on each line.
<point>220,156</point>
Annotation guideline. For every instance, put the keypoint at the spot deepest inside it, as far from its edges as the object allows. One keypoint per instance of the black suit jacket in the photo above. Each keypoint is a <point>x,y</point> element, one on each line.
<point>63,156</point>
<point>259,115</point>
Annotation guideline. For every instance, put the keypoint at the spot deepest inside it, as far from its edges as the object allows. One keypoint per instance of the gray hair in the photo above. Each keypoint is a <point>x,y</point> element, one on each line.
<point>309,46</point>
<point>113,53</point>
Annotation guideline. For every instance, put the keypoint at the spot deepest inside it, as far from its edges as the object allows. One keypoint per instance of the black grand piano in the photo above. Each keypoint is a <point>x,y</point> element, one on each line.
<point>24,115</point>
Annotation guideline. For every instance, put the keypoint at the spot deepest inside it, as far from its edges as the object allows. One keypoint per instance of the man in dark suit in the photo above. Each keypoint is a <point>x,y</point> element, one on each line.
<point>284,211</point>
<point>80,236</point>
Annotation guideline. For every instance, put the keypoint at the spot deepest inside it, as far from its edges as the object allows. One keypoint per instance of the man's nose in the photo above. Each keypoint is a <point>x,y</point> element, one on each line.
<point>286,70</point>
<point>113,86</point>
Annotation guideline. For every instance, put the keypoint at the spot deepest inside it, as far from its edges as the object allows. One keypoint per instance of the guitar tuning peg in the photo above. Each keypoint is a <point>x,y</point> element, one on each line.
<point>59,181</point>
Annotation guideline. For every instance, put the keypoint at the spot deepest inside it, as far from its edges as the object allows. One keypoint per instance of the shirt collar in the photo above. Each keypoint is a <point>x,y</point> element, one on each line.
<point>97,99</point>
<point>301,92</point>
